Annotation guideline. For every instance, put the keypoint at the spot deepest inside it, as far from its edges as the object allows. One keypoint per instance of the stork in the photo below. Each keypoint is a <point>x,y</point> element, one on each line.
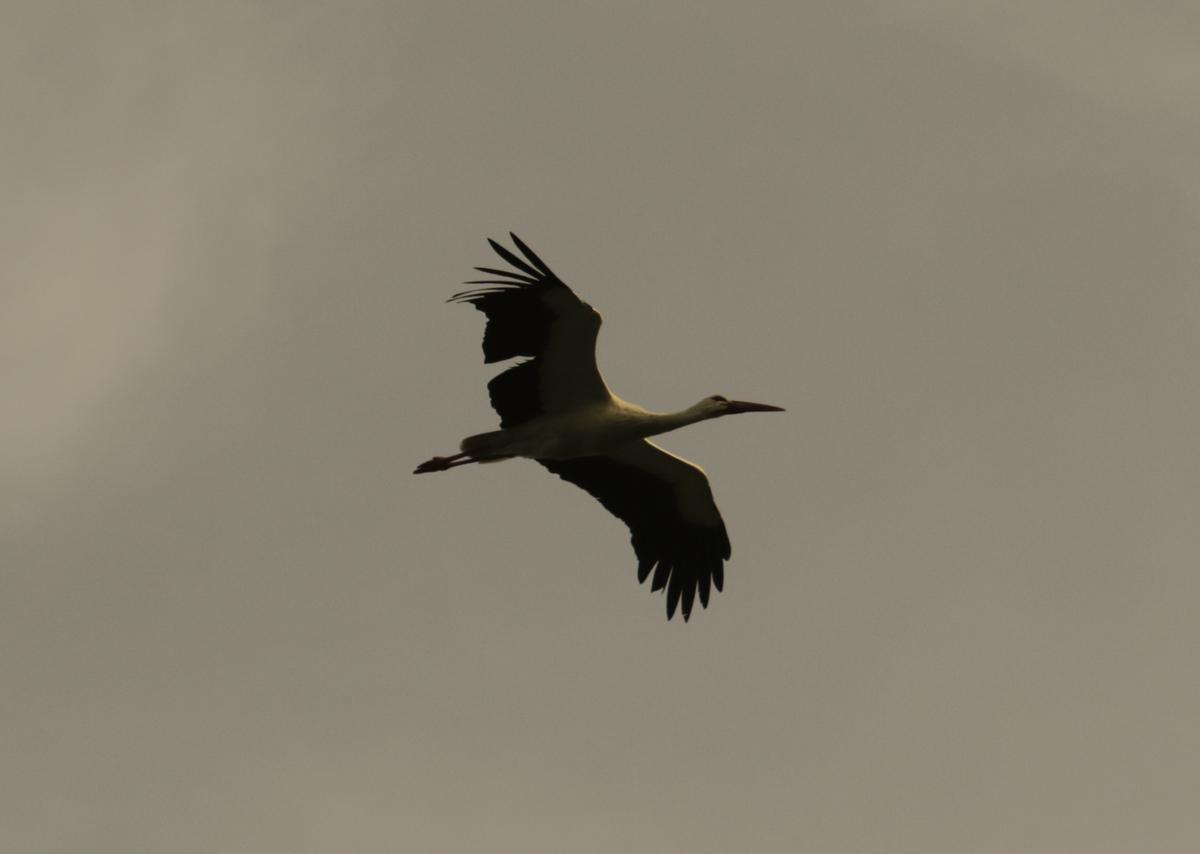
<point>555,408</point>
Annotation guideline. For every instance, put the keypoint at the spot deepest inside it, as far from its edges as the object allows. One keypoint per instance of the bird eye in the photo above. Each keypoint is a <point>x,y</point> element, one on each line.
<point>716,398</point>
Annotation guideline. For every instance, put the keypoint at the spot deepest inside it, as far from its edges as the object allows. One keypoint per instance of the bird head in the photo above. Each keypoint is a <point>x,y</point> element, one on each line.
<point>716,406</point>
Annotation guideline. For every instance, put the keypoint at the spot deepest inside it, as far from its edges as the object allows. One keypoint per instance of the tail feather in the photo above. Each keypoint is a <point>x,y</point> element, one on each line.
<point>482,448</point>
<point>486,445</point>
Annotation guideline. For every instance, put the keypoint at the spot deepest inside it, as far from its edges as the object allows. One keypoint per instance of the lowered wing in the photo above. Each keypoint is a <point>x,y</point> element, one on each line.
<point>668,506</point>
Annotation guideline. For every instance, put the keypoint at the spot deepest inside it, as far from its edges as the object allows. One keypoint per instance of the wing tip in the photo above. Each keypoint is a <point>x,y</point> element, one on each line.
<point>531,255</point>
<point>508,255</point>
<point>683,589</point>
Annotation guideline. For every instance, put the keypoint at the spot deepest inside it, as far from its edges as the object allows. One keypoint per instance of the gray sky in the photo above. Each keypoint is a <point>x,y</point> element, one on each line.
<point>956,241</point>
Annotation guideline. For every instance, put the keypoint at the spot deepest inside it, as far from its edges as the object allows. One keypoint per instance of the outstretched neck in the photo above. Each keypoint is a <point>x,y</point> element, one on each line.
<point>663,422</point>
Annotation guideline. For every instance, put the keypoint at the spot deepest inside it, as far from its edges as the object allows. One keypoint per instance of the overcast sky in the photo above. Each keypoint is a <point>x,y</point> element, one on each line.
<point>958,241</point>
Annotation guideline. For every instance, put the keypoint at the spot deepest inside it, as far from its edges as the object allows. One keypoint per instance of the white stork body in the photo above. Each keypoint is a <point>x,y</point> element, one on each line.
<point>556,409</point>
<point>594,428</point>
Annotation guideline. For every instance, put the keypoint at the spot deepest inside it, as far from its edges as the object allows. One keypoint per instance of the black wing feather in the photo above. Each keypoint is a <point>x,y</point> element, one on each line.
<point>511,277</point>
<point>686,557</point>
<point>519,321</point>
<point>514,394</point>
<point>517,262</point>
<point>531,255</point>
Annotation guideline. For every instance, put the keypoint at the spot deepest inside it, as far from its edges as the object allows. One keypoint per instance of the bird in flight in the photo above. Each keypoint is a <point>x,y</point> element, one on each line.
<point>554,408</point>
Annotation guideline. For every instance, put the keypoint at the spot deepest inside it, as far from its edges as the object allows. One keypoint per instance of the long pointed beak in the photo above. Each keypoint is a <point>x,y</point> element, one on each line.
<point>734,407</point>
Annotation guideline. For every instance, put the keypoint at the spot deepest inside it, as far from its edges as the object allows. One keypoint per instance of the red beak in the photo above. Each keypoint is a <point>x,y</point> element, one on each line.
<point>734,407</point>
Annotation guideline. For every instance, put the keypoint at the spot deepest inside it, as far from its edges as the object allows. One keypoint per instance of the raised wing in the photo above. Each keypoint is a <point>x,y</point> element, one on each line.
<point>676,528</point>
<point>530,312</point>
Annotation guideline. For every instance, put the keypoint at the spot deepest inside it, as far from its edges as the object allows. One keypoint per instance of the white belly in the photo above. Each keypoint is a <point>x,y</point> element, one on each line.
<point>579,433</point>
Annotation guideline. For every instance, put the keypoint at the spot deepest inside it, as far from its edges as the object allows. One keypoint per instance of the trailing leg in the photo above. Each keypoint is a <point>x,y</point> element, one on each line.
<point>443,463</point>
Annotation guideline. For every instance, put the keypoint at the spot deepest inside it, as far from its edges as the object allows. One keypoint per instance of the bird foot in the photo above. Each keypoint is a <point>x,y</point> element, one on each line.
<point>440,464</point>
